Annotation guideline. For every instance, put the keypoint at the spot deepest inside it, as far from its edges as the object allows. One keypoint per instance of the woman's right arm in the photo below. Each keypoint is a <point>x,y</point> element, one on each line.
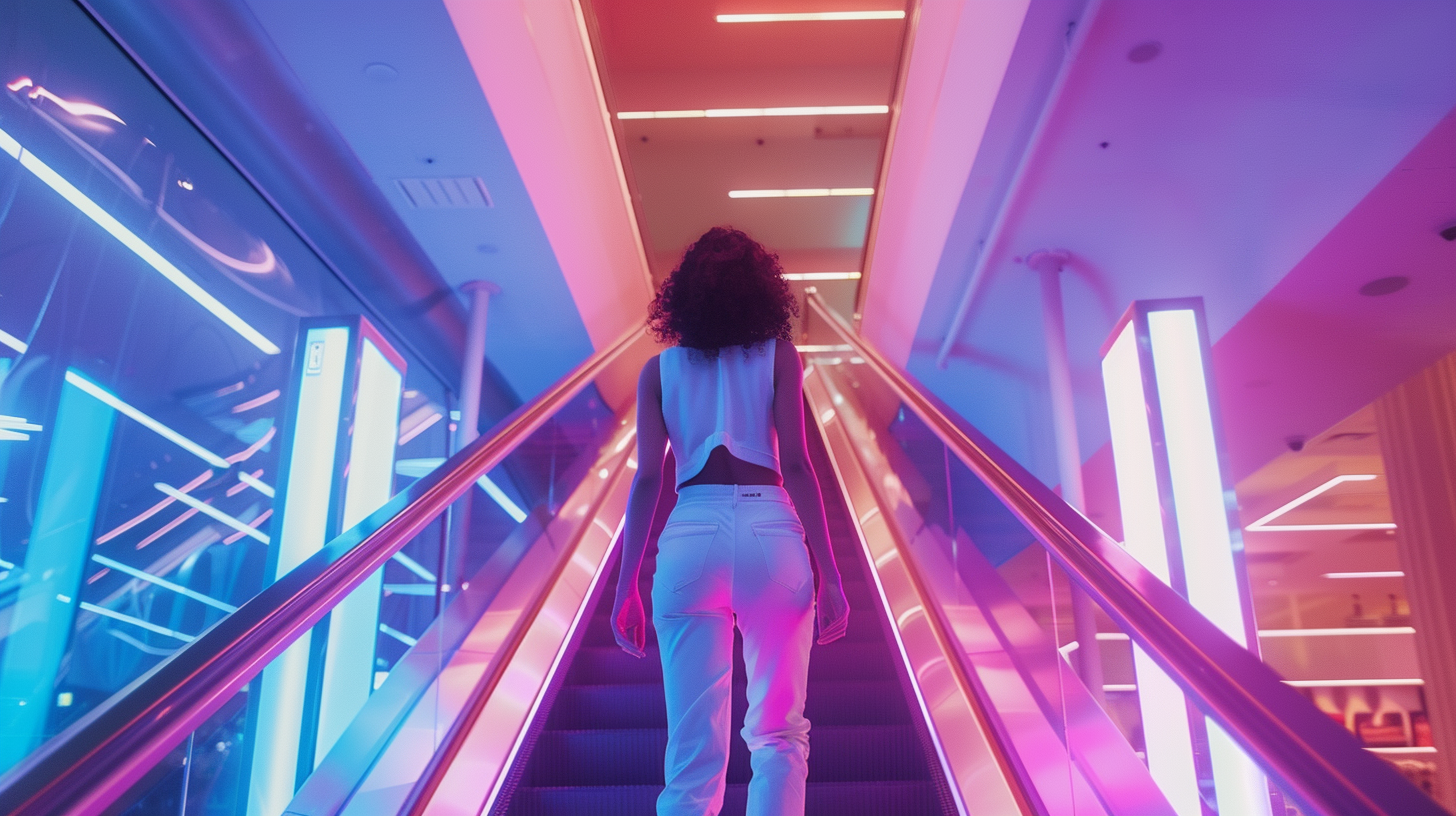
<point>629,623</point>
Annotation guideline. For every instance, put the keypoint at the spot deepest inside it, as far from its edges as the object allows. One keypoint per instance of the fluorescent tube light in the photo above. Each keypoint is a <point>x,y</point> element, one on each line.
<point>1335,632</point>
<point>162,582</point>
<point>1373,574</point>
<point>810,16</point>
<point>738,113</point>
<point>821,276</point>
<point>8,339</point>
<point>129,239</point>
<point>1263,525</point>
<point>209,510</point>
<point>147,625</point>
<point>249,480</point>
<point>512,509</point>
<point>803,192</point>
<point>415,567</point>
<point>162,430</point>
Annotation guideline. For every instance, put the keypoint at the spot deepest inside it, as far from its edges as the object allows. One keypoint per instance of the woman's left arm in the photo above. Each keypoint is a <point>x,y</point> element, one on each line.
<point>803,486</point>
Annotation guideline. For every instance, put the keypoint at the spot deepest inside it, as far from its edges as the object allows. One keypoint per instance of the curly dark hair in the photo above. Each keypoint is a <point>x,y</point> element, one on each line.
<point>727,291</point>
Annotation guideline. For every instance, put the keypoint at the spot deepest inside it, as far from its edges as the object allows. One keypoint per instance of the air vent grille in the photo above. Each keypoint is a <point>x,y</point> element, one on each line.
<point>445,193</point>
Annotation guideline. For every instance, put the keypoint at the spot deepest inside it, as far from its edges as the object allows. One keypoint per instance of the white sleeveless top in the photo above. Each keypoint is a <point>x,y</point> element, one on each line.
<point>727,401</point>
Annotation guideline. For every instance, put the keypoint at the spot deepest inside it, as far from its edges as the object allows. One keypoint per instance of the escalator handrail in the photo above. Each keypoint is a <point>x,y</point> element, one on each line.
<point>93,762</point>
<point>1312,756</point>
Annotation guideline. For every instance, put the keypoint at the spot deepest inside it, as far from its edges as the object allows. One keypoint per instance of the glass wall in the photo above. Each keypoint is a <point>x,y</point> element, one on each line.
<point>150,344</point>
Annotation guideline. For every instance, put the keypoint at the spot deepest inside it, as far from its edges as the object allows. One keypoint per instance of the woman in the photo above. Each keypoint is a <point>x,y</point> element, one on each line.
<point>728,397</point>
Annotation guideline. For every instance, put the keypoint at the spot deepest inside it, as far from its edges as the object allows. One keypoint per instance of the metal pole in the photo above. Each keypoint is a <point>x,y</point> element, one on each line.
<point>467,427</point>
<point>1048,265</point>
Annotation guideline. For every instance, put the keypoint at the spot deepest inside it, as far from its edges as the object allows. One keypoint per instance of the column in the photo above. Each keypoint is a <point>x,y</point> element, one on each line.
<point>1417,428</point>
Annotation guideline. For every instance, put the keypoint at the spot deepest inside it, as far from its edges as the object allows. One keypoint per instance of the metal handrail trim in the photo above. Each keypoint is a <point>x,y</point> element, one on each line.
<point>1313,757</point>
<point>82,770</point>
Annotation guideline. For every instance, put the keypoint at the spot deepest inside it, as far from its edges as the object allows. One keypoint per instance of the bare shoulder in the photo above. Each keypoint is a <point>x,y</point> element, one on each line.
<point>650,380</point>
<point>786,361</point>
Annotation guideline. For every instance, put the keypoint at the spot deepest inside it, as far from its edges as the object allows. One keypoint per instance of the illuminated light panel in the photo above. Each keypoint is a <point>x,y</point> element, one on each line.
<point>491,489</point>
<point>147,625</point>
<point>811,16</point>
<point>1263,525</point>
<point>738,113</point>
<point>1169,740</point>
<point>209,510</point>
<point>15,343</point>
<point>129,239</point>
<point>821,276</point>
<point>252,481</point>
<point>162,582</point>
<point>161,430</point>
<point>1375,574</point>
<point>803,192</point>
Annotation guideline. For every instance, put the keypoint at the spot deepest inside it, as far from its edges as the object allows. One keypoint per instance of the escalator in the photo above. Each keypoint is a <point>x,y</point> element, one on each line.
<point>953,692</point>
<point>601,744</point>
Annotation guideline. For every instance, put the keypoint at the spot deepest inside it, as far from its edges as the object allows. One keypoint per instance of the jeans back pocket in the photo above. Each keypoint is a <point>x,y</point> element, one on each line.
<point>682,549</point>
<point>784,553</point>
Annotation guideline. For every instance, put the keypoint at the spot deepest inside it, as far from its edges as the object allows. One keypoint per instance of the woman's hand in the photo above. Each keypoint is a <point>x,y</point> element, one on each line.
<point>629,623</point>
<point>832,609</point>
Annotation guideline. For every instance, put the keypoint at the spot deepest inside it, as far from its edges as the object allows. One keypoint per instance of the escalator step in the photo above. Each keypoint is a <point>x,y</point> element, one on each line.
<point>634,756</point>
<point>823,799</point>
<point>640,705</point>
<point>844,660</point>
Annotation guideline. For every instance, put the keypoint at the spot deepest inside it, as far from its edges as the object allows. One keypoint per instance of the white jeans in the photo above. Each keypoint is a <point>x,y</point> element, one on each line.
<point>734,552</point>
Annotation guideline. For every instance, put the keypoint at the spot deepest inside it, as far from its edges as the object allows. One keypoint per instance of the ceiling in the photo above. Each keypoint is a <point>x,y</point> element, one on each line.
<point>663,55</point>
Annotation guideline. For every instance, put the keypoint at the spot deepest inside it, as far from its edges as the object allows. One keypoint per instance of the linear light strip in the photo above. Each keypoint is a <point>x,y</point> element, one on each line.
<point>147,625</point>
<point>167,433</point>
<point>1263,523</point>
<point>209,510</point>
<point>151,511</point>
<point>397,635</point>
<point>255,524</point>
<point>803,192</point>
<point>739,113</point>
<point>129,239</point>
<point>810,16</point>
<point>512,509</point>
<point>821,276</point>
<point>8,339</point>
<point>1375,574</point>
<point>415,567</point>
<point>260,486</point>
<point>1308,528</point>
<point>1336,631</point>
<point>1390,681</point>
<point>162,582</point>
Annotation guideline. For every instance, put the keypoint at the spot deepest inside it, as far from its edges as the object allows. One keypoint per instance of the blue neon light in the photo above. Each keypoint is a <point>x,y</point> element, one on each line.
<point>129,239</point>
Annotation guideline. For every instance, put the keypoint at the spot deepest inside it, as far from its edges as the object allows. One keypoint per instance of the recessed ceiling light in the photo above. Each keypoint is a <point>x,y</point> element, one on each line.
<point>734,113</point>
<point>1145,52</point>
<point>810,16</point>
<point>821,276</point>
<point>1384,286</point>
<point>805,192</point>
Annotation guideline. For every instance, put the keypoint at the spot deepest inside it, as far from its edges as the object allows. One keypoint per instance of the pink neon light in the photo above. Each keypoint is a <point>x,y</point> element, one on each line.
<point>256,401</point>
<point>153,510</point>
<point>73,108</point>
<point>169,526</point>
<point>262,517</point>
<point>247,453</point>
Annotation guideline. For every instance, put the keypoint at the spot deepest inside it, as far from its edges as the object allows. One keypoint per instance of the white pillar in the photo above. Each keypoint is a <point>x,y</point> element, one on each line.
<point>1048,265</point>
<point>468,427</point>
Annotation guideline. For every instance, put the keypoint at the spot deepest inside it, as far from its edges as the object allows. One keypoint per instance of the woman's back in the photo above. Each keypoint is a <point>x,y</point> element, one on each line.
<point>719,414</point>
